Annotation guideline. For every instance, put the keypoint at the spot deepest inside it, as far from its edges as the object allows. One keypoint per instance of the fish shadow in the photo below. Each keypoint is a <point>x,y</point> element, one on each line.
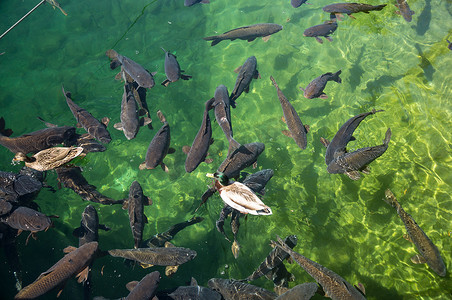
<point>423,21</point>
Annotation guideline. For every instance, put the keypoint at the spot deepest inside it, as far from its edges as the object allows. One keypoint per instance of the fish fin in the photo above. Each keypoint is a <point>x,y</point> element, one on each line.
<point>166,82</point>
<point>323,96</point>
<point>60,288</point>
<point>236,70</point>
<point>330,39</point>
<point>145,219</point>
<point>145,266</point>
<point>119,76</point>
<point>353,17</point>
<point>251,39</point>
<point>118,126</point>
<point>104,227</point>
<point>170,270</point>
<point>302,89</point>
<point>186,149</point>
<point>215,41</point>
<point>257,75</point>
<point>365,170</point>
<point>145,121</point>
<point>360,287</point>
<point>125,204</point>
<point>185,77</point>
<point>255,165</point>
<point>164,167</point>
<point>171,150</point>
<point>147,201</point>
<point>69,249</point>
<point>235,249</point>
<point>114,64</point>
<point>131,285</point>
<point>266,38</point>
<point>398,11</point>
<point>33,235</point>
<point>352,138</point>
<point>287,133</point>
<point>407,237</point>
<point>153,73</point>
<point>208,160</point>
<point>418,259</point>
<point>193,282</point>
<point>142,166</point>
<point>83,275</point>
<point>105,121</point>
<point>142,112</point>
<point>283,119</point>
<point>169,245</point>
<point>78,232</point>
<point>290,260</point>
<point>354,175</point>
<point>19,232</point>
<point>50,125</point>
<point>318,39</point>
<point>307,128</point>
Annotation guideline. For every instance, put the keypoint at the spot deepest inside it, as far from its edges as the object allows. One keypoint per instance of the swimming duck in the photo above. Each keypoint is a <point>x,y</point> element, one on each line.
<point>50,158</point>
<point>239,196</point>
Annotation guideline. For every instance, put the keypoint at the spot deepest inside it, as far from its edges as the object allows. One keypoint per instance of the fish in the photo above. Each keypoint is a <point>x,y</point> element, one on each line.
<point>404,10</point>
<point>17,185</point>
<point>257,181</point>
<point>352,162</point>
<point>89,226</point>
<point>223,115</point>
<point>135,206</point>
<point>297,3</point>
<point>198,150</point>
<point>246,73</point>
<point>158,256</point>
<point>95,128</point>
<point>429,253</point>
<point>36,141</point>
<point>244,157</point>
<point>75,262</point>
<point>249,33</point>
<point>130,122</point>
<point>302,291</point>
<point>225,212</point>
<point>5,207</point>
<point>172,69</point>
<point>334,285</point>
<point>72,178</point>
<point>160,239</point>
<point>344,135</point>
<point>56,5</point>
<point>145,289</point>
<point>193,2</point>
<point>315,88</point>
<point>159,147</point>
<point>139,74</point>
<point>337,9</point>
<point>194,292</point>
<point>297,130</point>
<point>325,30</point>
<point>232,289</point>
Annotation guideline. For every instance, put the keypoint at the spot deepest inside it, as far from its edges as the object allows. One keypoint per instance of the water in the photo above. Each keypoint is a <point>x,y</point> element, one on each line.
<point>386,63</point>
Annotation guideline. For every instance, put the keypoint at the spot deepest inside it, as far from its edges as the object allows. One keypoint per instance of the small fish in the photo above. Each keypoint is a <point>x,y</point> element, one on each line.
<point>95,128</point>
<point>198,150</point>
<point>302,291</point>
<point>159,147</point>
<point>194,292</point>
<point>246,73</point>
<point>338,9</point>
<point>297,130</point>
<point>223,115</point>
<point>232,289</point>
<point>249,33</point>
<point>315,88</point>
<point>404,10</point>
<point>325,30</point>
<point>145,289</point>
<point>168,256</point>
<point>172,69</point>
<point>334,285</point>
<point>353,162</point>
<point>160,239</point>
<point>139,74</point>
<point>193,2</point>
<point>429,253</point>
<point>89,227</point>
<point>297,3</point>
<point>244,157</point>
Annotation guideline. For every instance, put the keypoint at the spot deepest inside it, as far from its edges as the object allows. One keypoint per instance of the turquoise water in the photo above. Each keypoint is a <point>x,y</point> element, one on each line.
<point>386,63</point>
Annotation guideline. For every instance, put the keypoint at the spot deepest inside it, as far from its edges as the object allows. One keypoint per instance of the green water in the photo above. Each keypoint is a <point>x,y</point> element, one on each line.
<point>386,63</point>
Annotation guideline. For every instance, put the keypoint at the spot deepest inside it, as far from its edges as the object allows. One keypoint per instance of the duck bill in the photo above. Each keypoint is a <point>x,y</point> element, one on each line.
<point>210,175</point>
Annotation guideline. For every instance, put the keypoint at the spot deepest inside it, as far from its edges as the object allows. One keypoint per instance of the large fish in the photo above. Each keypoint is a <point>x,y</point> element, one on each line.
<point>338,9</point>
<point>159,256</point>
<point>325,30</point>
<point>95,128</point>
<point>76,262</point>
<point>404,10</point>
<point>249,33</point>
<point>160,239</point>
<point>232,289</point>
<point>246,73</point>
<point>297,130</point>
<point>172,69</point>
<point>198,150</point>
<point>17,185</point>
<point>429,253</point>
<point>159,147</point>
<point>334,285</point>
<point>223,115</point>
<point>244,157</point>
<point>139,74</point>
<point>257,181</point>
<point>135,206</point>
<point>193,2</point>
<point>352,162</point>
<point>344,135</point>
<point>194,292</point>
<point>89,227</point>
<point>315,88</point>
<point>145,289</point>
<point>129,114</point>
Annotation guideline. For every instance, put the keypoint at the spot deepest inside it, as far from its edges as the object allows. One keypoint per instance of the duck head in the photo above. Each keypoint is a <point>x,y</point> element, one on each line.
<point>222,178</point>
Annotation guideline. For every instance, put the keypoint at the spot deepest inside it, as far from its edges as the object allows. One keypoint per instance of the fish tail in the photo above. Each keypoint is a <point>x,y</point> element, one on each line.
<point>233,144</point>
<point>387,137</point>
<point>161,116</point>
<point>4,131</point>
<point>336,76</point>
<point>391,199</point>
<point>215,39</point>
<point>379,7</point>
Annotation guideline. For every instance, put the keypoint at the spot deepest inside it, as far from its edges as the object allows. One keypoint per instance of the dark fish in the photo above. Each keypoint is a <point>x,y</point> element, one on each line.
<point>244,157</point>
<point>343,136</point>
<point>223,115</point>
<point>315,88</point>
<point>236,290</point>
<point>297,130</point>
<point>159,146</point>
<point>350,8</point>
<point>302,291</point>
<point>17,185</point>
<point>193,2</point>
<point>72,178</point>
<point>139,74</point>
<point>297,3</point>
<point>225,212</point>
<point>198,150</point>
<point>249,33</point>
<point>235,225</point>
<point>404,10</point>
<point>325,30</point>
<point>168,256</point>
<point>135,206</point>
<point>247,72</point>
<point>281,278</point>
<point>172,69</point>
<point>194,292</point>
<point>95,128</point>
<point>160,239</point>
<point>274,259</point>
<point>129,114</point>
<point>258,180</point>
<point>36,141</point>
<point>352,162</point>
<point>89,226</point>
<point>89,144</point>
<point>76,262</point>
<point>334,285</point>
<point>429,253</point>
<point>145,289</point>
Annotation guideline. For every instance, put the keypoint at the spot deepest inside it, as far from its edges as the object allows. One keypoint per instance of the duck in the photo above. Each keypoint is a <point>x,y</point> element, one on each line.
<point>239,196</point>
<point>50,158</point>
